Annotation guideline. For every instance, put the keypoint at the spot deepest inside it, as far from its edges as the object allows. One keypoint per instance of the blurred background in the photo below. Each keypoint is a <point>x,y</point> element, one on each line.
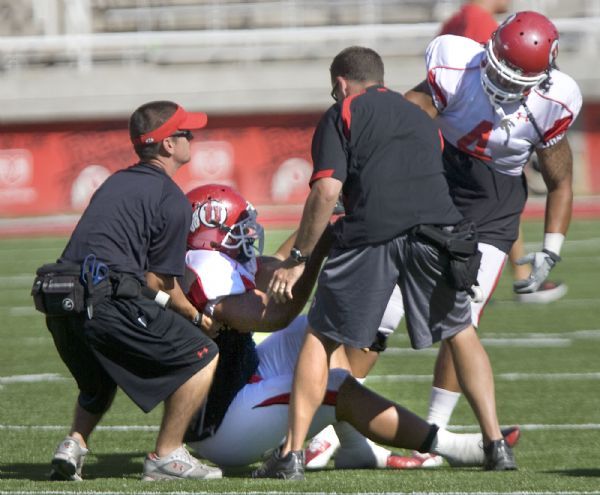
<point>72,71</point>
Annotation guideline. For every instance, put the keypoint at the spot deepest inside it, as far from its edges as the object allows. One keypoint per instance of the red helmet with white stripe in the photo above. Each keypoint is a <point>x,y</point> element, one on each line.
<point>222,220</point>
<point>520,54</point>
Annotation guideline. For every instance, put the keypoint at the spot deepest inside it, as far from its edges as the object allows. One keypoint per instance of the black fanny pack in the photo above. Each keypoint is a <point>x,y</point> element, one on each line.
<point>58,291</point>
<point>460,244</point>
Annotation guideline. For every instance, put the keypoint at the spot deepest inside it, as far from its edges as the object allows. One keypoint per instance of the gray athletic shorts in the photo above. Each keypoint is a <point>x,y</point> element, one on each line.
<point>355,286</point>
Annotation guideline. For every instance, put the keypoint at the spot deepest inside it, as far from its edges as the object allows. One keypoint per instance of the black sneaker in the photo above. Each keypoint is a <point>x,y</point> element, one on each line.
<point>289,467</point>
<point>499,457</point>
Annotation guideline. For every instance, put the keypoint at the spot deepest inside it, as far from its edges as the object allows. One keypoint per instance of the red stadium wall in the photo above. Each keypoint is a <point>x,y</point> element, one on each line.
<point>54,169</point>
<point>47,170</point>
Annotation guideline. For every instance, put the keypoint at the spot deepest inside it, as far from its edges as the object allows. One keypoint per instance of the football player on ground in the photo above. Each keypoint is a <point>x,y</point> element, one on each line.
<point>246,412</point>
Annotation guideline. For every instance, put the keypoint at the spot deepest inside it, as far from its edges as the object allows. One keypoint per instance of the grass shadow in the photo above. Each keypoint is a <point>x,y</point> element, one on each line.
<point>579,473</point>
<point>99,466</point>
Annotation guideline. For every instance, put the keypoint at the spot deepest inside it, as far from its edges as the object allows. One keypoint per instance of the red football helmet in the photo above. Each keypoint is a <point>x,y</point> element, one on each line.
<point>223,220</point>
<point>520,55</point>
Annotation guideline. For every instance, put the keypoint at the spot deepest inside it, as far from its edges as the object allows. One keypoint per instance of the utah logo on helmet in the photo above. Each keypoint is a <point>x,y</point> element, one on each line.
<point>222,220</point>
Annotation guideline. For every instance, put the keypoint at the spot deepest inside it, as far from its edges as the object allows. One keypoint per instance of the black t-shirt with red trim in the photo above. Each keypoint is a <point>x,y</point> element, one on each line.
<point>137,221</point>
<point>388,154</point>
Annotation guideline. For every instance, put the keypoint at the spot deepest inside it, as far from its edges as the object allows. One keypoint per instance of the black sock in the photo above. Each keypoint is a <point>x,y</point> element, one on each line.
<point>426,445</point>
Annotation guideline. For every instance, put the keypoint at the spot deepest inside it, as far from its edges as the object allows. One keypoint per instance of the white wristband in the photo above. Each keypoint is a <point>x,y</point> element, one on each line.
<point>553,241</point>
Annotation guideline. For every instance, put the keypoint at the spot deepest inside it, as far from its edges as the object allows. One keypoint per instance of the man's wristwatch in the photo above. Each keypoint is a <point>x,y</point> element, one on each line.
<point>197,320</point>
<point>297,255</point>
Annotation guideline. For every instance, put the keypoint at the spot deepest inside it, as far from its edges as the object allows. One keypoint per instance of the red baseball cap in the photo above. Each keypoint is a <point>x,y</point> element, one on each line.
<point>179,121</point>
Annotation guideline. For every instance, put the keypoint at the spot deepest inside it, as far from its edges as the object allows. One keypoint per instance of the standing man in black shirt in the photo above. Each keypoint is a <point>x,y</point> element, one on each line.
<point>132,237</point>
<point>384,155</point>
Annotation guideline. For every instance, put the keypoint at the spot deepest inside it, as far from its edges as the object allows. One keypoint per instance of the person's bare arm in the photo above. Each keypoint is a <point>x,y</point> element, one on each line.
<point>254,311</point>
<point>556,164</point>
<point>315,217</point>
<point>421,95</point>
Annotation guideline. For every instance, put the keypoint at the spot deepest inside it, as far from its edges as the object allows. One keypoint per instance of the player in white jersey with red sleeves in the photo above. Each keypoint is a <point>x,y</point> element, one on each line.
<point>496,104</point>
<point>246,411</point>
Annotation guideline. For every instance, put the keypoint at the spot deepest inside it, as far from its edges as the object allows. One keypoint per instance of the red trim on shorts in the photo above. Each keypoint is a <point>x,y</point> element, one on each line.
<point>493,289</point>
<point>330,399</point>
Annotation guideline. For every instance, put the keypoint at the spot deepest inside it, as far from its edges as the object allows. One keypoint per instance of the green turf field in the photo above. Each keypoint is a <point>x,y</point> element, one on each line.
<point>546,359</point>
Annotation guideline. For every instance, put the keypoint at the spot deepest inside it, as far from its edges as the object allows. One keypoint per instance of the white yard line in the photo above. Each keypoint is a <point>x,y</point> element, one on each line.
<point>467,428</point>
<point>42,377</point>
<point>196,492</point>
<point>497,376</point>
<point>54,377</point>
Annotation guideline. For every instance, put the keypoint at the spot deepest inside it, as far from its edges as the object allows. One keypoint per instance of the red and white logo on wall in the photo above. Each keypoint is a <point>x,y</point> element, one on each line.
<point>212,161</point>
<point>85,185</point>
<point>16,178</point>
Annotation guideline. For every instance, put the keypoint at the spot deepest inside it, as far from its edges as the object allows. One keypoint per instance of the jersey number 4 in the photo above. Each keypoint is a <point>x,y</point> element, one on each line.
<point>475,142</point>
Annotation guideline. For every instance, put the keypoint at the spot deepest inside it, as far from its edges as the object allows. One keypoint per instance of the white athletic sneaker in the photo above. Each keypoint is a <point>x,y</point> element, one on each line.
<point>318,453</point>
<point>179,464</point>
<point>68,460</point>
<point>415,461</point>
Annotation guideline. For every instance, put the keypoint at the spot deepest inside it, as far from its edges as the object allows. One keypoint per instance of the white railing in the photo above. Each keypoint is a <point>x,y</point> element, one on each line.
<point>581,36</point>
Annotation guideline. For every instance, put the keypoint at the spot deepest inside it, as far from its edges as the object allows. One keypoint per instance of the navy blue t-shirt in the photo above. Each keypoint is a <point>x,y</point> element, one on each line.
<point>137,221</point>
<point>387,152</point>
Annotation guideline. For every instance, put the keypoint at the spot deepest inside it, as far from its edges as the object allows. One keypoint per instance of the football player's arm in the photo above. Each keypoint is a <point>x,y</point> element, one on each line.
<point>556,164</point>
<point>180,303</point>
<point>420,95</point>
<point>255,311</point>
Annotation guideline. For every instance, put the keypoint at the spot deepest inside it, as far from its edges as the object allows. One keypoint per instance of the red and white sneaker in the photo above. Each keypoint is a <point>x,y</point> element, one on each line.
<point>318,453</point>
<point>414,461</point>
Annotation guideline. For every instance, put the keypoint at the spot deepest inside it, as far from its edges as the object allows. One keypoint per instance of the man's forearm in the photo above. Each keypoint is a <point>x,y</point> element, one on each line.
<point>559,206</point>
<point>169,284</point>
<point>316,214</point>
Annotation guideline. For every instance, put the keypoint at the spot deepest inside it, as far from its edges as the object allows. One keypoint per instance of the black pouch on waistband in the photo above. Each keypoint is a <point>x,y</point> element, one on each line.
<point>460,244</point>
<point>57,289</point>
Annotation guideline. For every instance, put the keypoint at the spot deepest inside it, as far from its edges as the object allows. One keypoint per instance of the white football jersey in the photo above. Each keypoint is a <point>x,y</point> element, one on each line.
<point>216,275</point>
<point>503,137</point>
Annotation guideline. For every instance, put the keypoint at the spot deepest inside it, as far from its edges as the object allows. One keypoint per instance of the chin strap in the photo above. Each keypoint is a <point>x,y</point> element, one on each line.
<point>532,120</point>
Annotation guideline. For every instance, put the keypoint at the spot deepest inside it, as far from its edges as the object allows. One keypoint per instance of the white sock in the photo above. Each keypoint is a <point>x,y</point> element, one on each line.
<point>459,449</point>
<point>441,405</point>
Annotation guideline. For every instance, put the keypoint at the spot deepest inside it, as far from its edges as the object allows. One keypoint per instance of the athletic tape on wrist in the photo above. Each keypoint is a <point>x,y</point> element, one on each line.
<point>553,242</point>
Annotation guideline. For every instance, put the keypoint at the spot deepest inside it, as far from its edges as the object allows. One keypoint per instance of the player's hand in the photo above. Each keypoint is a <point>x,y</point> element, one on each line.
<point>283,280</point>
<point>210,326</point>
<point>541,264</point>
